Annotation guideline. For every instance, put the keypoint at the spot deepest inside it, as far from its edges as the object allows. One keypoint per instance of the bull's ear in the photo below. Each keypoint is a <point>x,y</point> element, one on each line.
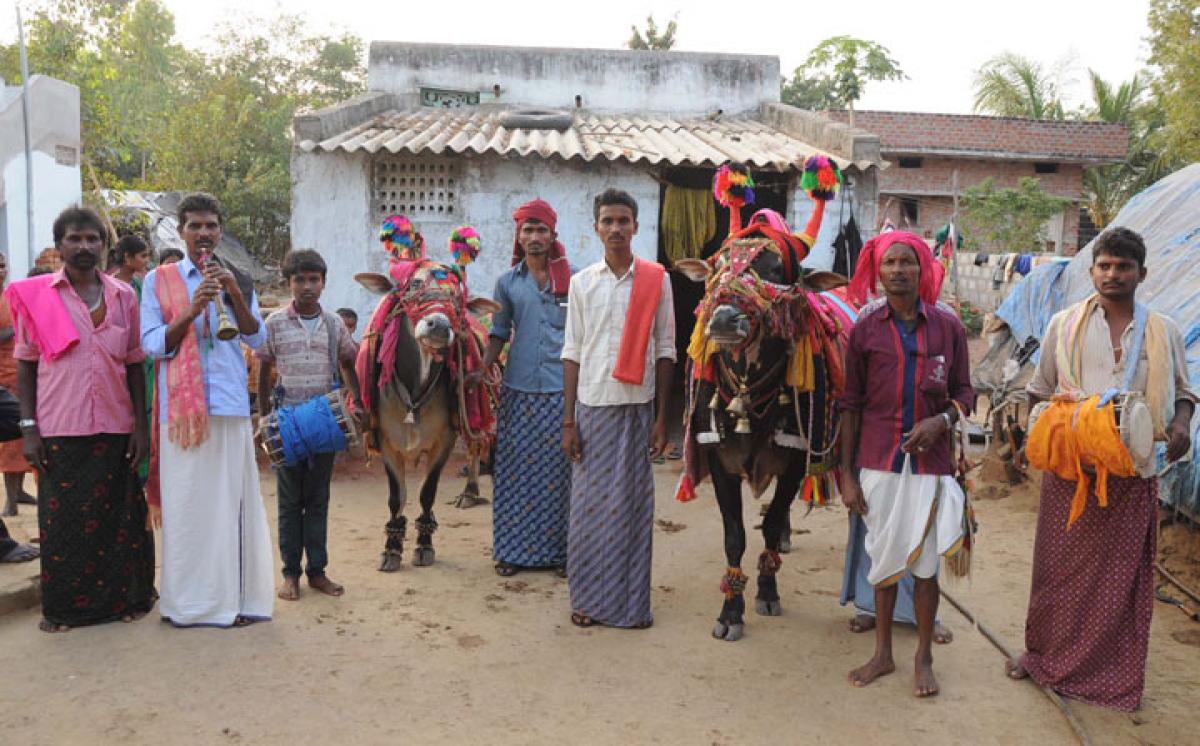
<point>375,282</point>
<point>693,269</point>
<point>480,305</point>
<point>820,281</point>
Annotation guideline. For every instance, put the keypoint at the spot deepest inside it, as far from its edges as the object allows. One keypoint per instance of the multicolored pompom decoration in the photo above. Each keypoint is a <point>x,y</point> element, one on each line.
<point>401,239</point>
<point>733,186</point>
<point>464,245</point>
<point>821,178</point>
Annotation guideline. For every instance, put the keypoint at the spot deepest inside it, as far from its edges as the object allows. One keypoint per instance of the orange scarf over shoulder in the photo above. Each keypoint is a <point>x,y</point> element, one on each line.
<point>643,303</point>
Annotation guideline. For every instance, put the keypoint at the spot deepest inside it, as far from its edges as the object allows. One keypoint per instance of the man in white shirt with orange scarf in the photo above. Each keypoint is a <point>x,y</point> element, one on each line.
<point>618,352</point>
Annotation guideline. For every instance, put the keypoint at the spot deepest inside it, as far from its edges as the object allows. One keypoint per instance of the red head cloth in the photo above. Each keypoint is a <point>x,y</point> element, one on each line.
<point>866,274</point>
<point>560,269</point>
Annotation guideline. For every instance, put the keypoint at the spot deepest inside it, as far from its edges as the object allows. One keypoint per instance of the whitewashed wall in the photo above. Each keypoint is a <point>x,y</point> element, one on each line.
<point>332,213</point>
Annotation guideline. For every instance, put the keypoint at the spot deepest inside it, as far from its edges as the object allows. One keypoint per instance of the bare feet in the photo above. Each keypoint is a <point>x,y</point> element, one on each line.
<point>942,635</point>
<point>26,499</point>
<point>290,590</point>
<point>924,682</point>
<point>1014,670</point>
<point>873,669</point>
<point>48,626</point>
<point>130,618</point>
<point>21,553</point>
<point>862,623</point>
<point>323,584</point>
<point>10,508</point>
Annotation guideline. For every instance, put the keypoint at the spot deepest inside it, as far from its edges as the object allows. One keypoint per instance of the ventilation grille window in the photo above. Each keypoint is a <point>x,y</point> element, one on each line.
<point>425,188</point>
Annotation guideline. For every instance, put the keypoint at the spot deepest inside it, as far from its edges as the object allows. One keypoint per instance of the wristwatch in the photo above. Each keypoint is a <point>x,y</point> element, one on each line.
<point>26,424</point>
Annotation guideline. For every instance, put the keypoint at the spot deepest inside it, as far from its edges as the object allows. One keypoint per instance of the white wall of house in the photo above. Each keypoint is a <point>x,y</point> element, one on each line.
<point>605,79</point>
<point>331,212</point>
<point>57,184</point>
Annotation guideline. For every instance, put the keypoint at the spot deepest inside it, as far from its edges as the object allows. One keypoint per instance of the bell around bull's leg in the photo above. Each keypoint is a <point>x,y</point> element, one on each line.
<point>766,602</point>
<point>426,526</point>
<point>393,547</point>
<point>731,623</point>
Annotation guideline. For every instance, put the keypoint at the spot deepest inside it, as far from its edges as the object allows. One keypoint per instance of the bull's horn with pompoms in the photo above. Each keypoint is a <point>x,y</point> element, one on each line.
<point>821,179</point>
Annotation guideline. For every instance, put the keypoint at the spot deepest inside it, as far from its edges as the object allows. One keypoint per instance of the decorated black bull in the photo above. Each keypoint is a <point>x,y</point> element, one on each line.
<point>420,344</point>
<point>764,371</point>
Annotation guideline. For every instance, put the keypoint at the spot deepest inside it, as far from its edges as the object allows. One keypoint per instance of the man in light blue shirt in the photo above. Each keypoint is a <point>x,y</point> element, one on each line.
<point>532,476</point>
<point>216,567</point>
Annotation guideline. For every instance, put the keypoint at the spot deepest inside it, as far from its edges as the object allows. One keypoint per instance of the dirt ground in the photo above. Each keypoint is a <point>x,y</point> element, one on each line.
<point>454,654</point>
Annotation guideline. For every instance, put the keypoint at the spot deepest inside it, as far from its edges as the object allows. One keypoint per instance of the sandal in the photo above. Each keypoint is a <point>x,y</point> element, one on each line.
<point>579,619</point>
<point>48,626</point>
<point>675,453</point>
<point>643,625</point>
<point>560,571</point>
<point>506,570</point>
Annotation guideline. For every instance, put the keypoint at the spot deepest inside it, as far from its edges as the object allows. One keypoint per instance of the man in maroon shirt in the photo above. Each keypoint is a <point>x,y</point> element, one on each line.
<point>906,366</point>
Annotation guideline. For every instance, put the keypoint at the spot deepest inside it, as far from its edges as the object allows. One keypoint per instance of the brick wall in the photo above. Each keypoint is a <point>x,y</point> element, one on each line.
<point>932,184</point>
<point>1035,139</point>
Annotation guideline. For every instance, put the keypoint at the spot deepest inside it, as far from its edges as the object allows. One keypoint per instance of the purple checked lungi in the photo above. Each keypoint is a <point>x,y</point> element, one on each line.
<point>612,515</point>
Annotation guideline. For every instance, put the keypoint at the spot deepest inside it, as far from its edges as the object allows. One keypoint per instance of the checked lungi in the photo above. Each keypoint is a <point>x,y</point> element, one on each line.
<point>612,515</point>
<point>532,478</point>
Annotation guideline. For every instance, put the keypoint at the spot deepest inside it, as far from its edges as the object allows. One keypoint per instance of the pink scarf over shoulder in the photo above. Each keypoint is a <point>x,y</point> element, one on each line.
<point>187,408</point>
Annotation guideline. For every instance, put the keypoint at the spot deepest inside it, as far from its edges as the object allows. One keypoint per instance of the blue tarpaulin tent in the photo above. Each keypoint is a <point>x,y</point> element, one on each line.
<point>1167,215</point>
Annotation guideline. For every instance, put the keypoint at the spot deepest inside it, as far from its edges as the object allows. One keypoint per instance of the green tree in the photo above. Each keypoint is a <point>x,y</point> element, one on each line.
<point>1009,85</point>
<point>1107,188</point>
<point>1009,219</point>
<point>1175,55</point>
<point>233,137</point>
<point>652,39</point>
<point>158,116</point>
<point>814,94</point>
<point>836,72</point>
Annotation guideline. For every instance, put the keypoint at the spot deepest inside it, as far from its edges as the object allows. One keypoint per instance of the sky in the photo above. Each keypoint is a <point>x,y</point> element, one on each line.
<point>938,44</point>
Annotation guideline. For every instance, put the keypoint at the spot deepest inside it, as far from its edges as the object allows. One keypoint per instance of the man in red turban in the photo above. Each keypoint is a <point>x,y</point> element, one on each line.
<point>866,274</point>
<point>560,270</point>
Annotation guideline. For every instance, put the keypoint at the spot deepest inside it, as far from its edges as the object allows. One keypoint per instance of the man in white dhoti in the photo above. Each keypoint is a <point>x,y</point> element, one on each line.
<point>216,546</point>
<point>906,366</point>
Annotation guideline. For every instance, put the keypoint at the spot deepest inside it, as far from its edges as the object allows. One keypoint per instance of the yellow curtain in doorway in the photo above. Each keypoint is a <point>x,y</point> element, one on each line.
<point>689,221</point>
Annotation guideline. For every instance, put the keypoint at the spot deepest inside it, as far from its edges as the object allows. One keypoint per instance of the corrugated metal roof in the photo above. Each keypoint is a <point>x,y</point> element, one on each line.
<point>649,138</point>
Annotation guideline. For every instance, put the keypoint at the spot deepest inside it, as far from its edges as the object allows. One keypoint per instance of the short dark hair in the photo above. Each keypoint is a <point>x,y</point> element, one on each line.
<point>79,217</point>
<point>130,245</point>
<point>1120,242</point>
<point>166,254</point>
<point>40,270</point>
<point>613,197</point>
<point>348,313</point>
<point>302,260</point>
<point>198,202</point>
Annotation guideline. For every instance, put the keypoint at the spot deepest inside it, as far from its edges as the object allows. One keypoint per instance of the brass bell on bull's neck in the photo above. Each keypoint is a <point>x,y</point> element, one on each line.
<point>737,405</point>
<point>785,398</point>
<point>714,402</point>
<point>743,426</point>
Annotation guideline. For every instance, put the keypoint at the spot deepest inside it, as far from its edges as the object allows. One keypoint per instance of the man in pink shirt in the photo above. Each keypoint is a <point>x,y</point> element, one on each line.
<point>82,390</point>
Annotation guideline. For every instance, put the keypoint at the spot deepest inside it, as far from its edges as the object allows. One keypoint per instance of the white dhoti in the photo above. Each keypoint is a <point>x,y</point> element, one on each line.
<point>216,545</point>
<point>912,520</point>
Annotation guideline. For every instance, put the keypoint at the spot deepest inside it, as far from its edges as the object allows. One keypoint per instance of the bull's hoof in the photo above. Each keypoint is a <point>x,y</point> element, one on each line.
<point>785,545</point>
<point>390,562</point>
<point>768,608</point>
<point>423,556</point>
<point>468,500</point>
<point>728,632</point>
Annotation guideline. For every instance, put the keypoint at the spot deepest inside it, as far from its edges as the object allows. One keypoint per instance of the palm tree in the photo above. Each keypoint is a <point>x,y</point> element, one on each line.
<point>1010,85</point>
<point>1107,188</point>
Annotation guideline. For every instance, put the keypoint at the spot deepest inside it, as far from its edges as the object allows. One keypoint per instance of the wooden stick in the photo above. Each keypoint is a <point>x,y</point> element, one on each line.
<point>1175,582</point>
<point>1072,720</point>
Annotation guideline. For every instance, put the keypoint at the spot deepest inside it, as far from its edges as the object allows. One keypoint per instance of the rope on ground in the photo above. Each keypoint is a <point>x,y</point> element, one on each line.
<point>1072,720</point>
<point>1176,582</point>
